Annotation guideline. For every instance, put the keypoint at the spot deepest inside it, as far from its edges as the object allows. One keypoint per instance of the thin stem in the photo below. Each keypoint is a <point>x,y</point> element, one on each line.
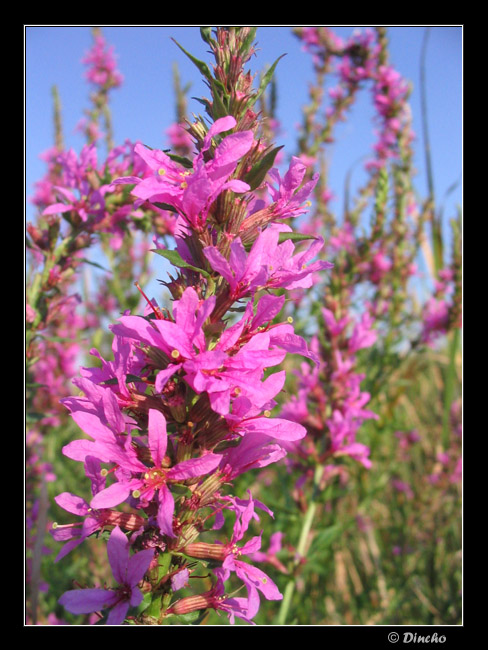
<point>302,546</point>
<point>425,128</point>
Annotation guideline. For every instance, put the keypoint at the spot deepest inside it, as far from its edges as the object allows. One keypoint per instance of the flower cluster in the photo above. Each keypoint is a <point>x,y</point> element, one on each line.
<point>185,405</point>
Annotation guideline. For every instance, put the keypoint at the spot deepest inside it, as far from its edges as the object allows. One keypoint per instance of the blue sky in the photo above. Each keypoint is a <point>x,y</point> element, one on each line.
<point>144,106</point>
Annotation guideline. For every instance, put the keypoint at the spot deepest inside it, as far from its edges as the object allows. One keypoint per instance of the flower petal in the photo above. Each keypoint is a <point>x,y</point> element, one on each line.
<point>85,601</point>
<point>137,566</point>
<point>112,496</point>
<point>158,438</point>
<point>118,555</point>
<point>165,512</point>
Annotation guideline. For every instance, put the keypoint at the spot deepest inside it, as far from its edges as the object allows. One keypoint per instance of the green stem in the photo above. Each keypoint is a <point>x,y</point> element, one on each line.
<point>301,548</point>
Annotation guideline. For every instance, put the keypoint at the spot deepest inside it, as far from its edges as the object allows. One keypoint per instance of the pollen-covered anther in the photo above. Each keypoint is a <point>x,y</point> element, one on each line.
<point>103,472</point>
<point>161,171</point>
<point>184,185</point>
<point>267,414</point>
<point>175,354</point>
<point>55,525</point>
<point>136,494</point>
<point>146,475</point>
<point>290,319</point>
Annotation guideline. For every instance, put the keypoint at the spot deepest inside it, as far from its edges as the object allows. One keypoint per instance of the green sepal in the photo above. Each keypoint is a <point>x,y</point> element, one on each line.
<point>206,34</point>
<point>175,258</point>
<point>246,44</point>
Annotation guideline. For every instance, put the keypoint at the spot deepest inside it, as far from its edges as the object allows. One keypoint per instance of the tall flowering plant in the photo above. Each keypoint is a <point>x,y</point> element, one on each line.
<point>272,390</point>
<point>186,405</point>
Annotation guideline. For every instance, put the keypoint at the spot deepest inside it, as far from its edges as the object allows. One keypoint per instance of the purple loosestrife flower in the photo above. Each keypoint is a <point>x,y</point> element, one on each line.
<point>289,196</point>
<point>75,534</point>
<point>180,340</point>
<point>102,70</point>
<point>151,480</point>
<point>269,264</point>
<point>217,599</point>
<point>245,419</point>
<point>236,364</point>
<point>127,570</point>
<point>75,190</point>
<point>254,579</point>
<point>254,450</point>
<point>270,555</point>
<point>192,192</point>
<point>99,416</point>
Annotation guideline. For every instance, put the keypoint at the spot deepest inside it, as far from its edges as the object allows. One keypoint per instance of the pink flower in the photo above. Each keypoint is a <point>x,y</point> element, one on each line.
<point>148,481</point>
<point>127,570</point>
<point>191,192</point>
<point>268,264</point>
<point>254,579</point>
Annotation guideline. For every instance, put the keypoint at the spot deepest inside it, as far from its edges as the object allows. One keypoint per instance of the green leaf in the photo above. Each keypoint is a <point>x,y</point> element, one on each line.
<point>326,537</point>
<point>146,601</point>
<point>165,206</point>
<point>191,617</point>
<point>185,162</point>
<point>99,266</point>
<point>294,236</point>
<point>256,176</point>
<point>219,107</point>
<point>201,65</point>
<point>128,379</point>
<point>265,80</point>
<point>154,609</point>
<point>175,258</point>
<point>181,490</point>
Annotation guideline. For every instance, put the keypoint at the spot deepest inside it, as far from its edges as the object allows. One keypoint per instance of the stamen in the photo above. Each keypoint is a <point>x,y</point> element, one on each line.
<point>156,310</point>
<point>175,354</point>
<point>161,171</point>
<point>136,494</point>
